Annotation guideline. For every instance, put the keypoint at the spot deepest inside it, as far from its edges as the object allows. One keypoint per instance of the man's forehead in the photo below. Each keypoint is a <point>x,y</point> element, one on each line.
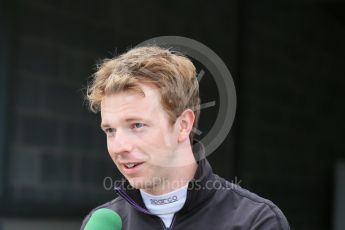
<point>124,107</point>
<point>126,114</point>
<point>129,101</point>
<point>129,106</point>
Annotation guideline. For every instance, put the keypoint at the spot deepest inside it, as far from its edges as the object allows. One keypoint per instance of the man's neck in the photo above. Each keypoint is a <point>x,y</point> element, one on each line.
<point>180,172</point>
<point>182,176</point>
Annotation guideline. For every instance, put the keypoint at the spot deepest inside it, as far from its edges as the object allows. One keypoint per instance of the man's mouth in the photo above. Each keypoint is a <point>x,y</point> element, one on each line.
<point>132,165</point>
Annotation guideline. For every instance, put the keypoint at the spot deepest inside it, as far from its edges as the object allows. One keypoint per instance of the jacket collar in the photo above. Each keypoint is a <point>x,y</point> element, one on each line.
<point>198,187</point>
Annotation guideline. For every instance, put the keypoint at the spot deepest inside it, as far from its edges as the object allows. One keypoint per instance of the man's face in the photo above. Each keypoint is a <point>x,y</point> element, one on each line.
<point>140,140</point>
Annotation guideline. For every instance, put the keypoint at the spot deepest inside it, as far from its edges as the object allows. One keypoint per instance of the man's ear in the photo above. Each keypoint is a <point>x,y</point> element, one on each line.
<point>186,121</point>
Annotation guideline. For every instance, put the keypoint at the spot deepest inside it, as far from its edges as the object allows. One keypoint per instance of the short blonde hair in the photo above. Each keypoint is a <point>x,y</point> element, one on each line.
<point>172,73</point>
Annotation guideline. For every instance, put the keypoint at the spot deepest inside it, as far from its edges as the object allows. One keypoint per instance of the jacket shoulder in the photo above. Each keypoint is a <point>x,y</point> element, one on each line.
<point>260,212</point>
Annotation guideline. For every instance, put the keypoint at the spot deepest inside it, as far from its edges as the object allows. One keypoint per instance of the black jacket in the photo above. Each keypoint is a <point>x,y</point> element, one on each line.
<point>212,203</point>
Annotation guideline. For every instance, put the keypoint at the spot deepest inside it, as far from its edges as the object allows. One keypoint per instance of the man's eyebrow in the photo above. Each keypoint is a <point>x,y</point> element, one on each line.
<point>104,125</point>
<point>134,119</point>
<point>130,119</point>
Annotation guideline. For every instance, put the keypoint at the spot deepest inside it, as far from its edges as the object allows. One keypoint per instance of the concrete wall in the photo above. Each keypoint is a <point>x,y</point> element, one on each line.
<point>292,81</point>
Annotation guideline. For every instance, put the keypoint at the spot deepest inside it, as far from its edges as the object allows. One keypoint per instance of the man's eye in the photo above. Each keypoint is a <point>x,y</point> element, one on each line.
<point>138,125</point>
<point>109,130</point>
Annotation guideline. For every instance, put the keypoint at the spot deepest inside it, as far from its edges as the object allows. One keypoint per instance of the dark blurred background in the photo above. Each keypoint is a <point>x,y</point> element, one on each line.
<point>287,58</point>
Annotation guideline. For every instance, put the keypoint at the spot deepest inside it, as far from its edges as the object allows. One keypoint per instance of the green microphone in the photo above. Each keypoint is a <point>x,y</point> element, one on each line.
<point>104,219</point>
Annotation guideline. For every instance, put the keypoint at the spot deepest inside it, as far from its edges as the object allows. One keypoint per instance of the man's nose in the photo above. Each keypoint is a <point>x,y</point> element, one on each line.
<point>120,143</point>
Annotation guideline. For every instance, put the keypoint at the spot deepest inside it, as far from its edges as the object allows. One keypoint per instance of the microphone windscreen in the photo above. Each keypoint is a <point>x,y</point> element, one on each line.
<point>104,219</point>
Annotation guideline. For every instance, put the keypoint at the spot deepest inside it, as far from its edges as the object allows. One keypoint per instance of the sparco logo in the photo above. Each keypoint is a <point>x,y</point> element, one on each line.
<point>164,201</point>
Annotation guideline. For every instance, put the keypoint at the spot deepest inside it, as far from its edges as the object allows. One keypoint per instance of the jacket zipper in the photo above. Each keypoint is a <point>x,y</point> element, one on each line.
<point>171,225</point>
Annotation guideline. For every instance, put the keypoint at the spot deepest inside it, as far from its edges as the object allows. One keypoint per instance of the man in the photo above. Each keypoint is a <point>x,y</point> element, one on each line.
<point>149,104</point>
